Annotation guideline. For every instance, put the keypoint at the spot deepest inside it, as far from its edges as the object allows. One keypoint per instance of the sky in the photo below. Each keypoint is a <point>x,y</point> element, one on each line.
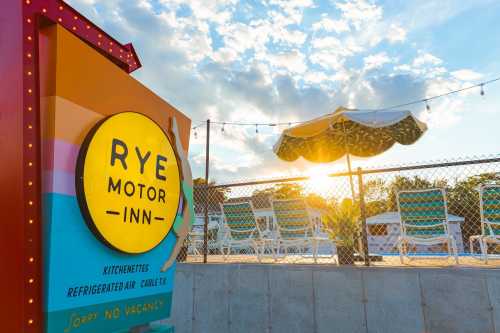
<point>281,61</point>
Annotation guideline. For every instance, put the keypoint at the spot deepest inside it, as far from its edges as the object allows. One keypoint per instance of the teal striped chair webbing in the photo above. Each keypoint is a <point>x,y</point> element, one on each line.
<point>491,210</point>
<point>292,218</point>
<point>240,219</point>
<point>423,213</point>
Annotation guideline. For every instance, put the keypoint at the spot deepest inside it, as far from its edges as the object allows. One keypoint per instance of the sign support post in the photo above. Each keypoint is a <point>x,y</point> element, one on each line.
<point>207,199</point>
<point>24,36</point>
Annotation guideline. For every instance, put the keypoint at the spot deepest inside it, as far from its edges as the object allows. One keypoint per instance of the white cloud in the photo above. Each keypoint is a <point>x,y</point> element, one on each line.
<point>396,33</point>
<point>425,58</point>
<point>359,12</point>
<point>269,64</point>
<point>315,77</point>
<point>467,75</point>
<point>327,60</point>
<point>225,55</point>
<point>375,61</point>
<point>241,37</point>
<point>329,25</point>
<point>293,61</point>
<point>294,37</point>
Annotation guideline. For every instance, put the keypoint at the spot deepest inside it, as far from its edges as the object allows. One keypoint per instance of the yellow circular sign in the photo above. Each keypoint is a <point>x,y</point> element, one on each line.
<point>128,182</point>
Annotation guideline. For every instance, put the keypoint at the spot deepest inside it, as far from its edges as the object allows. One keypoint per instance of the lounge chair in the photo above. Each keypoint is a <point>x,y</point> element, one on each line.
<point>195,243</point>
<point>489,201</point>
<point>424,220</point>
<point>242,231</point>
<point>295,228</point>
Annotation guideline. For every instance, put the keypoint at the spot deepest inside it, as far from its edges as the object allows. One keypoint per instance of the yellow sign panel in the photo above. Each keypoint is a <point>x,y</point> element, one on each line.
<point>128,182</point>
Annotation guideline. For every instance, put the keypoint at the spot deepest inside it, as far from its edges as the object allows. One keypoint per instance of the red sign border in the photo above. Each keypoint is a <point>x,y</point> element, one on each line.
<point>21,281</point>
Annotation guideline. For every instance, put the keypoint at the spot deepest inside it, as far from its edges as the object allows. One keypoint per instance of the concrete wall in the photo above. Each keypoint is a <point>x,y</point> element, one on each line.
<point>294,298</point>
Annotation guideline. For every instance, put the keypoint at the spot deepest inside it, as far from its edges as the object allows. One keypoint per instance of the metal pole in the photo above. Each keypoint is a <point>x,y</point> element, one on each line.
<point>351,182</point>
<point>362,207</point>
<point>348,158</point>
<point>207,166</point>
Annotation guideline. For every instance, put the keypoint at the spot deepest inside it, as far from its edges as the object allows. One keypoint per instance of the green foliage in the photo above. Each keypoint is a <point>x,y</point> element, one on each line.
<point>215,196</point>
<point>463,200</point>
<point>462,196</point>
<point>342,224</point>
<point>281,191</point>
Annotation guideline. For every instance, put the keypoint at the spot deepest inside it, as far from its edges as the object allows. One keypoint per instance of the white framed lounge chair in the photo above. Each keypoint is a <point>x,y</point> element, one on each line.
<point>294,226</point>
<point>195,239</point>
<point>489,201</point>
<point>424,220</point>
<point>195,243</point>
<point>242,231</point>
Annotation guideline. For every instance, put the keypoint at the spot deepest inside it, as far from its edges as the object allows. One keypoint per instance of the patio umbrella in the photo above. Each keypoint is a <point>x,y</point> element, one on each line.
<point>345,132</point>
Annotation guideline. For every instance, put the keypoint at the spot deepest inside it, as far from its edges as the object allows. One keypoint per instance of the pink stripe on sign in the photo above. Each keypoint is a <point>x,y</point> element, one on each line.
<point>59,182</point>
<point>59,155</point>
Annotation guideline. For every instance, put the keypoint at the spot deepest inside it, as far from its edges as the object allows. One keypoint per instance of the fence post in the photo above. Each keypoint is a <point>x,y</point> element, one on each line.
<point>207,193</point>
<point>362,206</point>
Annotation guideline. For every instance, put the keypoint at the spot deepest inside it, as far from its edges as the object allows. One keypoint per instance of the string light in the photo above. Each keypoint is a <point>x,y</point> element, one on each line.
<point>425,101</point>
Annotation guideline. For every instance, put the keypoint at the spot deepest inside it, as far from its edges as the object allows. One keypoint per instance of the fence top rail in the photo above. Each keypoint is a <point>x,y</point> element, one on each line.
<point>359,171</point>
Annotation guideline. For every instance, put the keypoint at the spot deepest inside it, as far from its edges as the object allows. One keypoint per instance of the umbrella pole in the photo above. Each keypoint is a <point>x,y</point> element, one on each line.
<point>351,182</point>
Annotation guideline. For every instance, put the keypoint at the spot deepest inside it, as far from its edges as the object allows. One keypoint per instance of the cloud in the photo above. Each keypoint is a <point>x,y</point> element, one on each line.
<point>359,12</point>
<point>293,61</point>
<point>330,25</point>
<point>274,61</point>
<point>425,58</point>
<point>396,33</point>
<point>467,75</point>
<point>375,61</point>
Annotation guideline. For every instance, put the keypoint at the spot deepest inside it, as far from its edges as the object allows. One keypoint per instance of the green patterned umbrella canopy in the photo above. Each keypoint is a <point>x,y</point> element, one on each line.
<point>362,133</point>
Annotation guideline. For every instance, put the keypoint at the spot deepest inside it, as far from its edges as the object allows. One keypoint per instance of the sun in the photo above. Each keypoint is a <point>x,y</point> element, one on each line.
<point>319,182</point>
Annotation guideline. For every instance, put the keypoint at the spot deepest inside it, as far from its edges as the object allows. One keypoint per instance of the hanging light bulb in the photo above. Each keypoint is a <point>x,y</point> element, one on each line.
<point>256,128</point>
<point>427,106</point>
<point>195,133</point>
<point>482,89</point>
<point>289,124</point>
<point>222,129</point>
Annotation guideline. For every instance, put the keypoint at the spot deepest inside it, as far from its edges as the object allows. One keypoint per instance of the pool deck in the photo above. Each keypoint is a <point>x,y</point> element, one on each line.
<point>387,261</point>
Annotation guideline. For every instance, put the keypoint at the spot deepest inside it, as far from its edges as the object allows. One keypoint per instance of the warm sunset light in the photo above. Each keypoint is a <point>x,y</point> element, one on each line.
<point>319,181</point>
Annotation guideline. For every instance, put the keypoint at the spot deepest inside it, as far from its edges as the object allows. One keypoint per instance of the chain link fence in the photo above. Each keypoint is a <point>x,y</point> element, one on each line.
<point>419,215</point>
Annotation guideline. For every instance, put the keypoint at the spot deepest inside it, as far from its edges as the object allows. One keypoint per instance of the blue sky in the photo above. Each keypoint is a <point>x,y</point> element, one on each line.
<point>292,60</point>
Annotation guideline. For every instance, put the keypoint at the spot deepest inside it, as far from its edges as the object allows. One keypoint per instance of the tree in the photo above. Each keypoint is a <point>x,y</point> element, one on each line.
<point>214,195</point>
<point>342,224</point>
<point>282,191</point>
<point>463,200</point>
<point>380,196</point>
<point>401,183</point>
<point>376,193</point>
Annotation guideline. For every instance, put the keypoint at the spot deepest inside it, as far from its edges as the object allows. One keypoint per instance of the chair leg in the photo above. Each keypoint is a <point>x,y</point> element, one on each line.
<point>471,247</point>
<point>315,251</point>
<point>484,249</point>
<point>257,251</point>
<point>228,248</point>
<point>263,248</point>
<point>454,249</point>
<point>400,247</point>
<point>273,250</point>
<point>335,258</point>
